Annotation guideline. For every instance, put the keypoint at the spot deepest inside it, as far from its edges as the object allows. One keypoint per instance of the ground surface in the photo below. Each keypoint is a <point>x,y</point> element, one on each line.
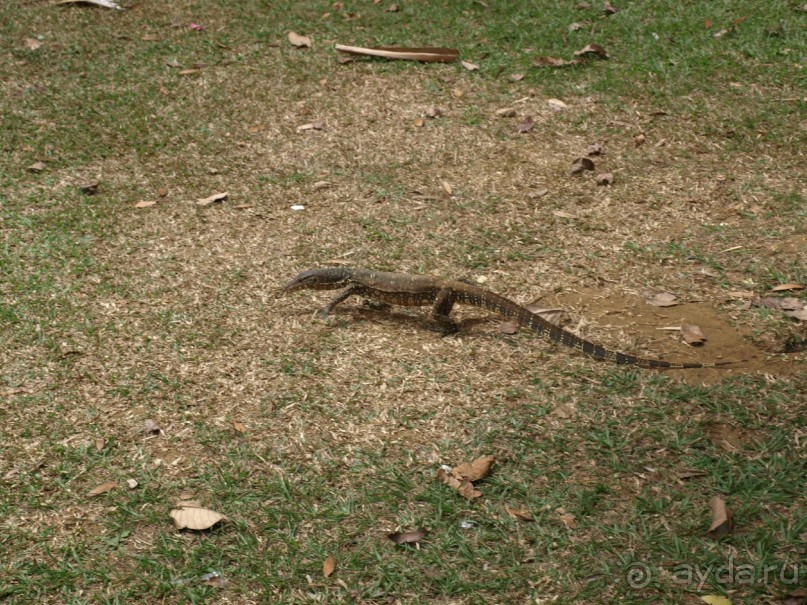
<point>316,438</point>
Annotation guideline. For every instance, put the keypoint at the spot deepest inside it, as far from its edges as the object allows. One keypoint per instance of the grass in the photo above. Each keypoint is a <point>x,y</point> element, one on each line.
<point>114,315</point>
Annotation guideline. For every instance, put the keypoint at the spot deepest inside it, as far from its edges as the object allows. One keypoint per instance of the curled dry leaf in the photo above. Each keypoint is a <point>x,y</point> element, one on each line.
<point>521,514</point>
<point>556,104</point>
<point>526,125</point>
<point>569,520</point>
<point>299,41</point>
<point>239,426</point>
<point>604,179</point>
<point>195,518</point>
<point>321,185</point>
<point>516,77</point>
<point>689,474</point>
<point>392,8</point>
<point>595,149</point>
<point>639,140</point>
<point>419,122</point>
<point>508,327</point>
<point>89,188</point>
<point>476,470</point>
<point>33,44</point>
<point>469,66</point>
<point>592,49</point>
<point>408,537</point>
<point>36,167</point>
<point>434,112</point>
<point>564,410</point>
<point>506,112</point>
<point>216,197</point>
<point>145,204</point>
<point>99,444</point>
<point>447,187</point>
<point>150,428</point>
<point>573,27</point>
<point>721,518</point>
<point>468,491</point>
<point>102,489</point>
<point>608,9</point>
<point>798,314</point>
<point>581,165</point>
<point>425,54</point>
<point>132,483</point>
<point>328,566</point>
<point>693,335</point>
<point>663,299</point>
<point>214,578</point>
<point>553,62</point>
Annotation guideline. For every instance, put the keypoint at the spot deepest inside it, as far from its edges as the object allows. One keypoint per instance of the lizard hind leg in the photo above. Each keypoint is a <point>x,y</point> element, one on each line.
<point>443,303</point>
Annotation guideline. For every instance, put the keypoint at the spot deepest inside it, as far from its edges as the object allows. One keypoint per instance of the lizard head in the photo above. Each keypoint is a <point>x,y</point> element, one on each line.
<point>329,278</point>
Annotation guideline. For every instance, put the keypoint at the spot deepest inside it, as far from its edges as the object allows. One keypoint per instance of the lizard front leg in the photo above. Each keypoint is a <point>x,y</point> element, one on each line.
<point>443,303</point>
<point>344,294</point>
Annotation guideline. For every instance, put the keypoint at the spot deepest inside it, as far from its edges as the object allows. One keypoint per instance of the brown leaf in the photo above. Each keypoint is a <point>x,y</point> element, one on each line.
<point>798,596</point>
<point>742,294</point>
<point>799,314</point>
<point>721,518</point>
<point>311,126</point>
<point>608,9</point>
<point>785,287</point>
<point>506,112</point>
<point>149,38</point>
<point>663,299</point>
<point>606,178</point>
<point>581,165</point>
<point>299,41</point>
<point>392,8</point>
<point>196,518</point>
<point>595,149</point>
<point>556,104</point>
<point>239,426</point>
<point>639,140</point>
<point>33,44</point>
<point>102,489</point>
<point>534,195</point>
<point>434,112</point>
<point>476,470</point>
<point>187,72</point>
<point>99,444</point>
<point>328,566</point>
<point>447,187</point>
<point>162,191</point>
<point>425,54</point>
<point>555,316</point>
<point>689,474</point>
<point>419,122</point>
<point>516,77</point>
<point>214,578</point>
<point>449,479</point>
<point>553,62</point>
<point>569,520</point>
<point>469,66</point>
<point>89,188</point>
<point>592,49</point>
<point>467,490</point>
<point>36,167</point>
<point>216,197</point>
<point>508,327</point>
<point>525,126</point>
<point>573,27</point>
<point>150,428</point>
<point>173,63</point>
<point>693,335</point>
<point>132,483</point>
<point>408,537</point>
<point>564,410</point>
<point>145,204</point>
<point>521,514</point>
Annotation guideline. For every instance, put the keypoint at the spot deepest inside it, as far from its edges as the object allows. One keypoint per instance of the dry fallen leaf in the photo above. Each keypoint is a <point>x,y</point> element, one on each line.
<point>328,566</point>
<point>214,578</point>
<point>721,518</point>
<point>321,185</point>
<point>392,8</point>
<point>425,54</point>
<point>299,41</point>
<point>311,126</point>
<point>89,188</point>
<point>521,514</point>
<point>798,596</point>
<point>592,49</point>
<point>469,66</point>
<point>32,44</point>
<point>476,470</point>
<point>132,483</point>
<point>99,444</point>
<point>693,335</point>
<point>516,77</point>
<point>575,27</point>
<point>581,165</point>
<point>434,112</point>
<point>595,149</point>
<point>239,426</point>
<point>608,9</point>
<point>408,537</point>
<point>663,299</point>
<point>564,410</point>
<point>799,314</point>
<point>102,489</point>
<point>526,125</point>
<point>468,491</point>
<point>103,3</point>
<point>508,327</point>
<point>568,520</point>
<point>216,197</point>
<point>639,140</point>
<point>785,287</point>
<point>606,178</point>
<point>37,167</point>
<point>150,428</point>
<point>556,104</point>
<point>187,72</point>
<point>553,62</point>
<point>195,518</point>
<point>447,187</point>
<point>419,122</point>
<point>145,204</point>
<point>506,112</point>
<point>689,474</point>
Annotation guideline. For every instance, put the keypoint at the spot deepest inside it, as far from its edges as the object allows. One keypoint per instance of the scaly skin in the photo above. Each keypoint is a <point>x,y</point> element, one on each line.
<point>418,290</point>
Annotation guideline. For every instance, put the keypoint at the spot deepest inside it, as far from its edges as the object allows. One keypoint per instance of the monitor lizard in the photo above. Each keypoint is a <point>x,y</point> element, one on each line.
<point>419,290</point>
